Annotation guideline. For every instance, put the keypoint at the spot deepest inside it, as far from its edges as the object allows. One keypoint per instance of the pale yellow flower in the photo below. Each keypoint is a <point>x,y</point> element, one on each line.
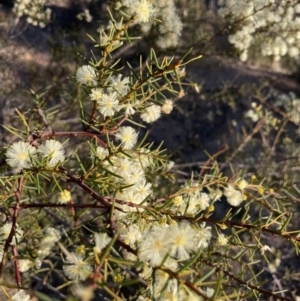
<point>64,197</point>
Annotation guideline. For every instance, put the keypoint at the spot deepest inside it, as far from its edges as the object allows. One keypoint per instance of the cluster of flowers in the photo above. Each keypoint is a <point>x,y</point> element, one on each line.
<point>23,155</point>
<point>21,296</point>
<point>85,15</point>
<point>194,199</point>
<point>126,171</point>
<point>157,245</point>
<point>259,112</point>
<point>34,10</point>
<point>113,99</point>
<point>163,244</point>
<point>4,234</point>
<point>50,237</point>
<point>274,25</point>
<point>130,173</point>
<point>169,29</point>
<point>289,102</point>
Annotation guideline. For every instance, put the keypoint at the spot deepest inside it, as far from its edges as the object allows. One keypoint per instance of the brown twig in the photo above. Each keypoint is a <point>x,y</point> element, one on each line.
<point>246,140</point>
<point>48,286</point>
<point>211,159</point>
<point>103,200</point>
<point>42,115</point>
<point>16,265</point>
<point>285,235</point>
<point>95,135</point>
<point>187,283</point>
<point>245,283</point>
<point>285,122</point>
<point>13,232</point>
<point>103,63</point>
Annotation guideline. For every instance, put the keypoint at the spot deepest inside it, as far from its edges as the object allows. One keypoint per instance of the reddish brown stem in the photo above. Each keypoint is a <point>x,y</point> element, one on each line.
<point>95,135</point>
<point>13,230</point>
<point>16,265</point>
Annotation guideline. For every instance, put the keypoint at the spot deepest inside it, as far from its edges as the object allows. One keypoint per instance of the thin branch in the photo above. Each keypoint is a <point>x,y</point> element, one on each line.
<point>95,135</point>
<point>42,115</point>
<point>12,233</point>
<point>49,287</point>
<point>211,159</point>
<point>247,139</point>
<point>246,284</point>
